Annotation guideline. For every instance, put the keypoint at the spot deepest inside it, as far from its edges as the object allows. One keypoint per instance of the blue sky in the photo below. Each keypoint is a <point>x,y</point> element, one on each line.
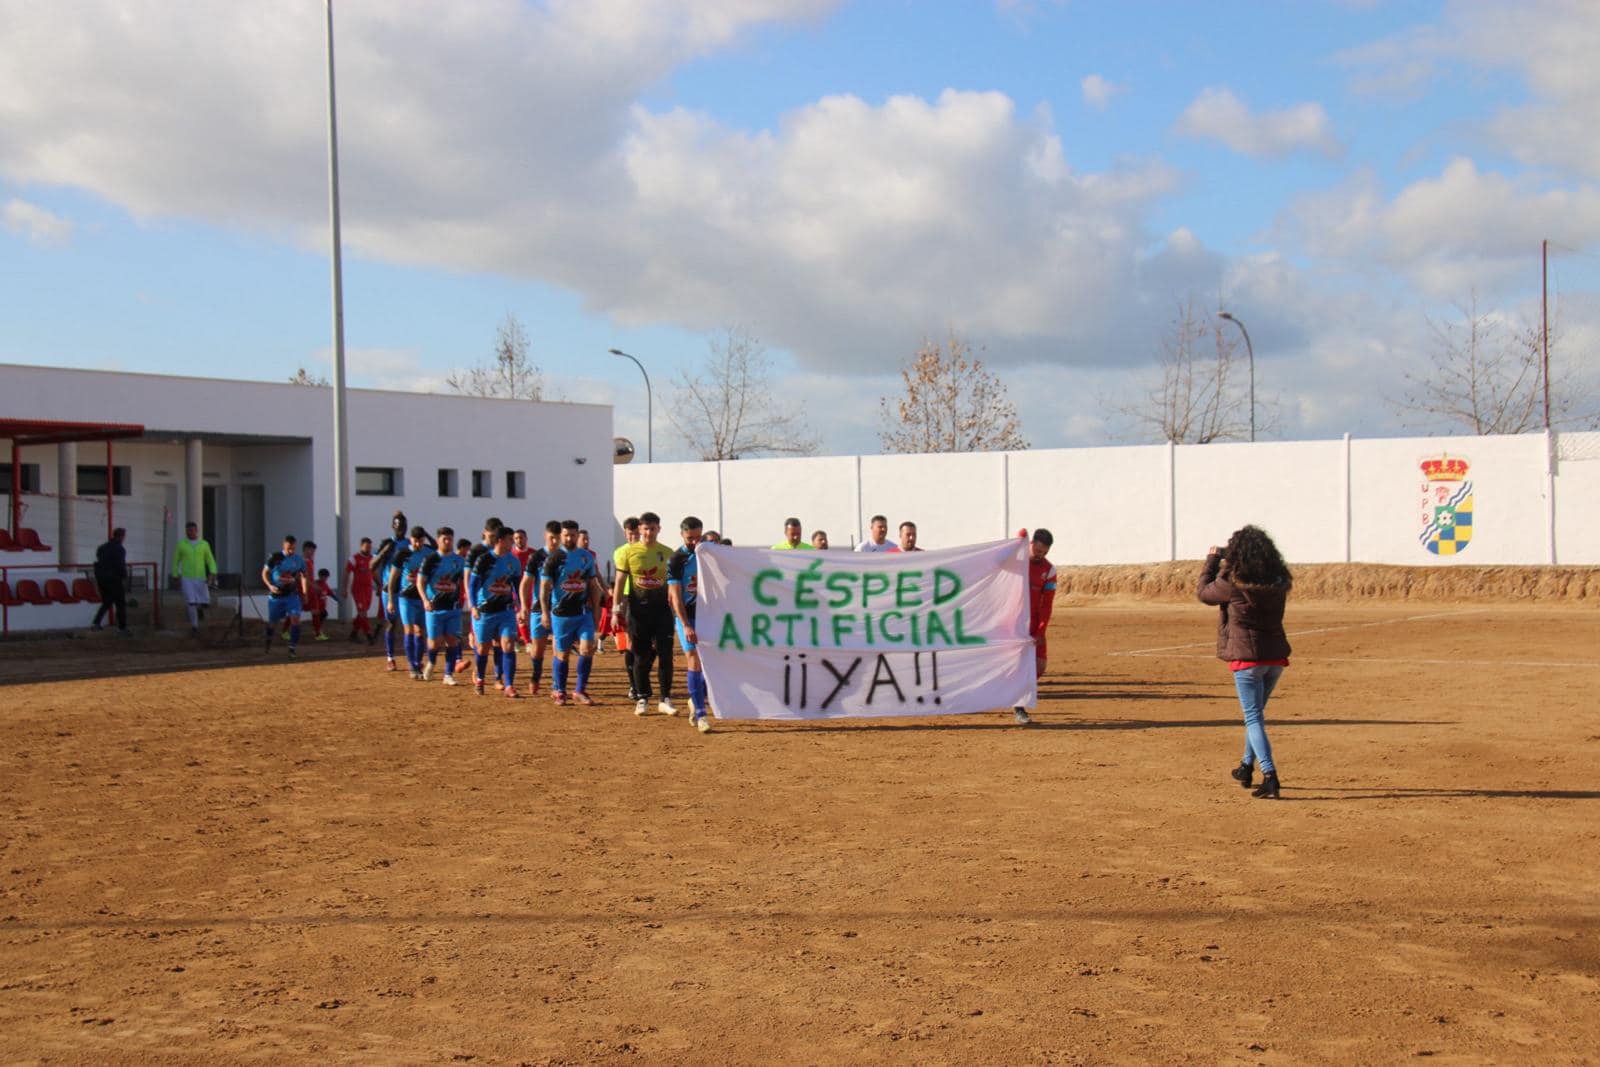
<point>1048,180</point>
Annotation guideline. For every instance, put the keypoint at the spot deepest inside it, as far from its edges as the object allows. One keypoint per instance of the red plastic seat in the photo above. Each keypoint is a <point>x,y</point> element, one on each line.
<point>29,592</point>
<point>83,589</point>
<point>28,537</point>
<point>56,590</point>
<point>6,544</point>
<point>7,597</point>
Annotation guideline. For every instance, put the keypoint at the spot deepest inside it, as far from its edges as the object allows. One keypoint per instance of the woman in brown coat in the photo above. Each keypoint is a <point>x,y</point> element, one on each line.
<point>1249,583</point>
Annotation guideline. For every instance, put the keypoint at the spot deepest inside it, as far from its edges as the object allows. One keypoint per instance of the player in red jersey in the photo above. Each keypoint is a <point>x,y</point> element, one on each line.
<point>523,553</point>
<point>1041,599</point>
<point>358,583</point>
<point>314,604</point>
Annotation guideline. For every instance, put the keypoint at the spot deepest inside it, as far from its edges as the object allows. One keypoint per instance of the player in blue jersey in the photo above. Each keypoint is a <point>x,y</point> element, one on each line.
<point>531,572</point>
<point>496,578</point>
<point>386,570</point>
<point>491,530</point>
<point>388,610</point>
<point>391,556</point>
<point>284,575</point>
<point>569,601</point>
<point>683,588</point>
<point>439,582</point>
<point>413,614</point>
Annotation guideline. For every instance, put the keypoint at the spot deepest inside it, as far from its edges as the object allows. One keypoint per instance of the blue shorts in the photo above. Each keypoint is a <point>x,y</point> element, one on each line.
<point>411,610</point>
<point>492,627</point>
<point>683,638</point>
<point>283,607</point>
<point>536,626</point>
<point>570,629</point>
<point>446,623</point>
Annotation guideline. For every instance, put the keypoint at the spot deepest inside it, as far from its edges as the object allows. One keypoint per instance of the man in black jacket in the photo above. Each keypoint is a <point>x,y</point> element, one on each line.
<point>111,574</point>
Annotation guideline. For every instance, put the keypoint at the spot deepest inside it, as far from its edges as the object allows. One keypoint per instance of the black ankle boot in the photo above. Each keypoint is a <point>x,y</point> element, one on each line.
<point>1268,789</point>
<point>1244,774</point>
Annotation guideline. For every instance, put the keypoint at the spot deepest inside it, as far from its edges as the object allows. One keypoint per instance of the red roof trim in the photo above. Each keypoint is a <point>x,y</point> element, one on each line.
<point>52,431</point>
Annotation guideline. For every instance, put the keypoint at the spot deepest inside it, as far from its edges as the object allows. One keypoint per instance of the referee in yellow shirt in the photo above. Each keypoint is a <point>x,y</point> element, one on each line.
<point>196,568</point>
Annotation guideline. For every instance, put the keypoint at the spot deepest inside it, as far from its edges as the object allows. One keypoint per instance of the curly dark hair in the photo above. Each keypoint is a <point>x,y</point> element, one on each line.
<point>1253,559</point>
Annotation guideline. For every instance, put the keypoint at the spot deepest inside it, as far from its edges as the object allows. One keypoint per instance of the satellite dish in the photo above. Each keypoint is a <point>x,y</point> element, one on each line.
<point>623,450</point>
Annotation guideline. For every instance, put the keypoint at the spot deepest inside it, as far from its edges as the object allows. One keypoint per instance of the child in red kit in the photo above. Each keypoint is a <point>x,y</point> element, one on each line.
<point>321,593</point>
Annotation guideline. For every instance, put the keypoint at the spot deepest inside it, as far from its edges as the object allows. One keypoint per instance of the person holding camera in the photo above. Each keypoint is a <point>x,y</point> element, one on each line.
<point>1249,583</point>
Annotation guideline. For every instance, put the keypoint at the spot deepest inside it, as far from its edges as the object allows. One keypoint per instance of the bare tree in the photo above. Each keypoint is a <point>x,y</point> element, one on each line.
<point>304,377</point>
<point>510,375</point>
<point>728,410</point>
<point>952,403</point>
<point>1485,375</point>
<point>1199,395</point>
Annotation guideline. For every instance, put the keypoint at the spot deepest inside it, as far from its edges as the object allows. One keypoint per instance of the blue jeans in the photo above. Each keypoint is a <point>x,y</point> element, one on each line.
<point>1255,685</point>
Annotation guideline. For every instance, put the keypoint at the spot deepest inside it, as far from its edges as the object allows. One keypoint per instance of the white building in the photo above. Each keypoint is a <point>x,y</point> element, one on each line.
<point>252,461</point>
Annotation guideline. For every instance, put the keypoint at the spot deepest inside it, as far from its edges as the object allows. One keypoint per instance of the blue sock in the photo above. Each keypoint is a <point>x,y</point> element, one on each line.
<point>508,667</point>
<point>451,654</point>
<point>413,655</point>
<point>558,674</point>
<point>433,656</point>
<point>294,635</point>
<point>499,665</point>
<point>696,681</point>
<point>538,670</point>
<point>483,664</point>
<point>388,641</point>
<point>584,663</point>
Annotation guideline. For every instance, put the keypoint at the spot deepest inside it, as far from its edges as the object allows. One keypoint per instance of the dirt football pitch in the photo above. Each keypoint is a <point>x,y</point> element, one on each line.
<point>208,856</point>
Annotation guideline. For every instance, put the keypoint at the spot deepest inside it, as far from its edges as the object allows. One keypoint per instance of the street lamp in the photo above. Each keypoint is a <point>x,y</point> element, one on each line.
<point>649,409</point>
<point>1249,348</point>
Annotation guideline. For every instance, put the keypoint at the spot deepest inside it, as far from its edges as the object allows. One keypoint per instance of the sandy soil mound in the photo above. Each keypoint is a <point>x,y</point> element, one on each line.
<point>1350,581</point>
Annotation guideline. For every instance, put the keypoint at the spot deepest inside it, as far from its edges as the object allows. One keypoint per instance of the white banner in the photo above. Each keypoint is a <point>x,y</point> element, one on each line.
<point>822,635</point>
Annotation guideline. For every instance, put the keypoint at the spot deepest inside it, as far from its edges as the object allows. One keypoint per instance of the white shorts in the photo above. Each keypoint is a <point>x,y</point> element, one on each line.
<point>195,591</point>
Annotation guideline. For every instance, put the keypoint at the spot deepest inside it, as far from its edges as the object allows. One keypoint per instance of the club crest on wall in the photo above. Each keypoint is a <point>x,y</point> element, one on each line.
<point>1446,505</point>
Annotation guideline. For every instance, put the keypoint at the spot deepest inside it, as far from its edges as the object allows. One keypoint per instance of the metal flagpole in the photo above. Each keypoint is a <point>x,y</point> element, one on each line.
<point>341,433</point>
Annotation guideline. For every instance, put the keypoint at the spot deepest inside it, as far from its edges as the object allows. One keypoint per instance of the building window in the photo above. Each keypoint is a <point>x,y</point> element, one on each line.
<point>449,478</point>
<point>30,477</point>
<point>92,480</point>
<point>482,484</point>
<point>377,481</point>
<point>516,485</point>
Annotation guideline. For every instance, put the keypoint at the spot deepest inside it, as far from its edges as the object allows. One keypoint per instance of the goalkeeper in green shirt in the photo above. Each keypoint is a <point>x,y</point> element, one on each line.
<point>196,569</point>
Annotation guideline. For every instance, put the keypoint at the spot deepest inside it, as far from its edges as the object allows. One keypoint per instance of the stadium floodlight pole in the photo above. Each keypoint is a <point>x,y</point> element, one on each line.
<point>1249,348</point>
<point>341,431</point>
<point>649,409</point>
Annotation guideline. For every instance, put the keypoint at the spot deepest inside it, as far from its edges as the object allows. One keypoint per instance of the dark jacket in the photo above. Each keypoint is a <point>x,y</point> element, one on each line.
<point>110,562</point>
<point>1250,626</point>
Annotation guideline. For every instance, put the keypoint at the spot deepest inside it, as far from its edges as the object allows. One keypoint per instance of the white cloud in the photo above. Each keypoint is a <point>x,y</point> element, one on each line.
<point>398,369</point>
<point>843,235</point>
<point>1464,229</point>
<point>1219,115</point>
<point>1098,91</point>
<point>37,224</point>
<point>1549,44</point>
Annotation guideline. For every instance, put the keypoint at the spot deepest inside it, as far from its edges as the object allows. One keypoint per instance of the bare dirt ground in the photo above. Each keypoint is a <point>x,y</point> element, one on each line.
<point>319,861</point>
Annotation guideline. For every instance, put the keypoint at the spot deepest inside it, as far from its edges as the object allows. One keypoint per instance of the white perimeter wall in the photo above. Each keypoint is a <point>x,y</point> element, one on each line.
<point>1323,501</point>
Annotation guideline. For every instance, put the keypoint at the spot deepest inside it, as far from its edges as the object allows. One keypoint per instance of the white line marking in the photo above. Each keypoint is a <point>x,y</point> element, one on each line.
<point>1302,658</point>
<point>1318,630</point>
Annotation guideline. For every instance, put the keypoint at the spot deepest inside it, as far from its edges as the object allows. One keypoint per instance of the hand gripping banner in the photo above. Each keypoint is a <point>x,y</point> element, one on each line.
<point>822,635</point>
